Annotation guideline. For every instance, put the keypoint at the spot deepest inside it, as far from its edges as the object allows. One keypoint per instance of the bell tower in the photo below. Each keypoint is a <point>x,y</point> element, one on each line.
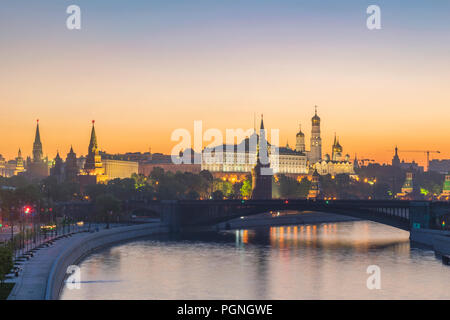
<point>315,154</point>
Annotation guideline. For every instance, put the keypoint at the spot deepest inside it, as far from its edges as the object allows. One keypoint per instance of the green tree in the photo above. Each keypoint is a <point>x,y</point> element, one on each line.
<point>246,189</point>
<point>6,262</point>
<point>95,190</point>
<point>107,207</point>
<point>225,187</point>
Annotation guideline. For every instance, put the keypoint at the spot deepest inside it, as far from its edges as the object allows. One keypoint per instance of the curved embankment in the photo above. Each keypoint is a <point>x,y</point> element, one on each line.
<point>43,276</point>
<point>84,246</point>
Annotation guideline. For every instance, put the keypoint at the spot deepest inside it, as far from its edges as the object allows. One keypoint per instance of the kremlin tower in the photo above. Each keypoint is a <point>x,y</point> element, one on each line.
<point>37,166</point>
<point>37,145</point>
<point>93,167</point>
<point>71,169</point>
<point>262,173</point>
<point>58,168</point>
<point>314,191</point>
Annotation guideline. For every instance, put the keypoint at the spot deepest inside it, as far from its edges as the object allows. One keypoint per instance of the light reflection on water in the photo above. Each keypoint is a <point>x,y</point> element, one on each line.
<point>327,261</point>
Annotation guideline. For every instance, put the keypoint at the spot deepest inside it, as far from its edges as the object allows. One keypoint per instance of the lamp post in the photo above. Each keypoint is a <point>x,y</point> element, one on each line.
<point>11,222</point>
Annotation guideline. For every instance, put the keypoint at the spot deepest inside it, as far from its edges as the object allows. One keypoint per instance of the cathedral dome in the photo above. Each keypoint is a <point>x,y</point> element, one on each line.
<point>300,134</point>
<point>337,147</point>
<point>316,119</point>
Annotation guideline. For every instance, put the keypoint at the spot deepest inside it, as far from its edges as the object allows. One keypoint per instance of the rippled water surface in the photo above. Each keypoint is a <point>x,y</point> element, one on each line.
<point>327,261</point>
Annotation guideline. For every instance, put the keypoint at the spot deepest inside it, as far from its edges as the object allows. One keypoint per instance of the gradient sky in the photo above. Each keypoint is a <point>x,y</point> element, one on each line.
<point>142,69</point>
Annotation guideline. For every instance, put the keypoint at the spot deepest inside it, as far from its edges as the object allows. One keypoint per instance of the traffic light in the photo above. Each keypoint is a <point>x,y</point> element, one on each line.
<point>27,210</point>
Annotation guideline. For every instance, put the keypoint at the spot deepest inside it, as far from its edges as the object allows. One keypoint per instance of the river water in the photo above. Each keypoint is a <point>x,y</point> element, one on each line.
<point>327,261</point>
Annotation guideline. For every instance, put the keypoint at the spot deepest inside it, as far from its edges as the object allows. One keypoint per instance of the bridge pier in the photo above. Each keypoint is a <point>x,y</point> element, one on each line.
<point>170,215</point>
<point>420,214</point>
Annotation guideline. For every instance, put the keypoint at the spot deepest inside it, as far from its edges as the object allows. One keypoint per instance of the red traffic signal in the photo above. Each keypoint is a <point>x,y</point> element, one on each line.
<point>27,209</point>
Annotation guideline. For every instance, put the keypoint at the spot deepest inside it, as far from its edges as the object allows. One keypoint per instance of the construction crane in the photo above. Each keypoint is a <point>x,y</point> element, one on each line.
<point>427,152</point>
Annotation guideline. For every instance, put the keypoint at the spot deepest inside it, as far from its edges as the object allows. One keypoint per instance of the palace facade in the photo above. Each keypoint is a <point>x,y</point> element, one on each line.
<point>242,157</point>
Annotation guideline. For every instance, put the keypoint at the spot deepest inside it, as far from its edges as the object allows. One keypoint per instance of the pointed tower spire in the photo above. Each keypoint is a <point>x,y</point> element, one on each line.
<point>93,164</point>
<point>37,145</point>
<point>37,137</point>
<point>262,143</point>
<point>93,143</point>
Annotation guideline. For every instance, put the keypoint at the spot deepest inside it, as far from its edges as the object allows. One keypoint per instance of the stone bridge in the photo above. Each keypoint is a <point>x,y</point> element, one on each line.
<point>396,213</point>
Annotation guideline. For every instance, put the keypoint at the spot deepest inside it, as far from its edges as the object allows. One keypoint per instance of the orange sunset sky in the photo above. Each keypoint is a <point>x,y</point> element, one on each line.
<point>144,70</point>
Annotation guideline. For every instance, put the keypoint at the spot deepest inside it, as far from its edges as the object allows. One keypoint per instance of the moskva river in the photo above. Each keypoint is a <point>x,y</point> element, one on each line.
<point>327,261</point>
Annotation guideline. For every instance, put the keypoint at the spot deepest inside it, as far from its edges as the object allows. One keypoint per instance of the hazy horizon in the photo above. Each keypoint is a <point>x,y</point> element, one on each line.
<point>142,69</point>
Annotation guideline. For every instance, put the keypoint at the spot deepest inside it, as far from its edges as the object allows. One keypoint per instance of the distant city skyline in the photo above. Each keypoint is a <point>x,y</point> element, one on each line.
<point>145,68</point>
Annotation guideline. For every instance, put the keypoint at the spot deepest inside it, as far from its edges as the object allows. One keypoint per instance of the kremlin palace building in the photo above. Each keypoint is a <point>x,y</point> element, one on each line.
<point>241,158</point>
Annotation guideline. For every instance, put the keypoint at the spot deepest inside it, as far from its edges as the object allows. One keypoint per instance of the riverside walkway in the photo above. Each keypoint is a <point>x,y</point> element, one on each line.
<point>32,281</point>
<point>42,275</point>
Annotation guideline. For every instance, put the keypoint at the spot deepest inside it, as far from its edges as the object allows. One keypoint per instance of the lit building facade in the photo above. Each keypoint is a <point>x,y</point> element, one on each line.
<point>241,158</point>
<point>120,169</point>
<point>445,195</point>
<point>407,187</point>
<point>337,163</point>
<point>12,167</point>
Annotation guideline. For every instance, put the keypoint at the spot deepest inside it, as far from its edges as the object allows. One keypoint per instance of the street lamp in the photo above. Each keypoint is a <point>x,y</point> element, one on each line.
<point>27,210</point>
